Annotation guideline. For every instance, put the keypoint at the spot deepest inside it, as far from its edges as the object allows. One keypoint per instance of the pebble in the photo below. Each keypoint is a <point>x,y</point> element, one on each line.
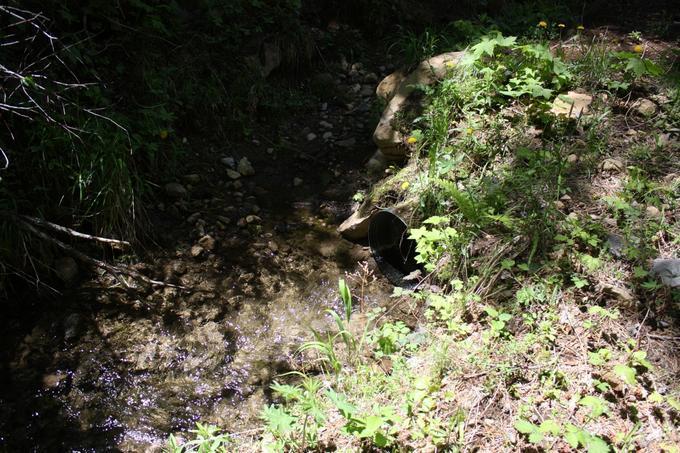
<point>347,143</point>
<point>327,135</point>
<point>245,167</point>
<point>224,220</point>
<point>253,219</point>
<point>196,251</point>
<point>228,161</point>
<point>572,158</point>
<point>311,136</point>
<point>233,174</point>
<point>325,124</point>
<point>207,242</point>
<point>297,182</point>
<point>273,246</point>
<point>192,178</point>
<point>193,218</point>
<point>175,190</point>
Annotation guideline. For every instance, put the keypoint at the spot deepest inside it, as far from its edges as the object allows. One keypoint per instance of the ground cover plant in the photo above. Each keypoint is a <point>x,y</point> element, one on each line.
<point>541,325</point>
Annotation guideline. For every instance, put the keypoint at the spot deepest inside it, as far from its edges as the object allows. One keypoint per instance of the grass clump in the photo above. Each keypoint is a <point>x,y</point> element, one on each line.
<point>539,325</point>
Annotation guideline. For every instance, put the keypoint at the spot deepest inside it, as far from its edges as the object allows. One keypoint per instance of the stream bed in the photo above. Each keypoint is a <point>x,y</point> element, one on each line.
<point>100,368</point>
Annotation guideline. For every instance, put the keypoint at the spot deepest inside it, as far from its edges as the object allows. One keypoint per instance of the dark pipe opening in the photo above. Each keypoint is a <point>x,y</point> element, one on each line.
<point>392,249</point>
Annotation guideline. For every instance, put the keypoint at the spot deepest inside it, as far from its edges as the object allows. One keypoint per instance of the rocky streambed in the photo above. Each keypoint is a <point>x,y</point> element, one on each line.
<point>248,235</point>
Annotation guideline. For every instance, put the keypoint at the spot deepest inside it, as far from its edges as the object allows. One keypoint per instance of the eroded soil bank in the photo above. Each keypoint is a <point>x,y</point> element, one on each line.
<point>259,258</point>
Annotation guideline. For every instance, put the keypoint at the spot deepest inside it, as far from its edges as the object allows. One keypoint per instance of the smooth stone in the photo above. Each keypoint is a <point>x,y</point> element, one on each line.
<point>245,167</point>
<point>175,190</point>
<point>297,182</point>
<point>207,242</point>
<point>192,178</point>
<point>228,161</point>
<point>612,165</point>
<point>311,136</point>
<point>233,174</point>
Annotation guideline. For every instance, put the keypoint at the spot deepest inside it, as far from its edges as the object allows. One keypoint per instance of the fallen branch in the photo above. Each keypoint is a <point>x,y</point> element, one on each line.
<point>116,271</point>
<point>62,229</point>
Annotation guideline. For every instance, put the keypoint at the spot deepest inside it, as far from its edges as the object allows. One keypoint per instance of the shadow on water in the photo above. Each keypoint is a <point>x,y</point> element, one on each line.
<point>100,369</point>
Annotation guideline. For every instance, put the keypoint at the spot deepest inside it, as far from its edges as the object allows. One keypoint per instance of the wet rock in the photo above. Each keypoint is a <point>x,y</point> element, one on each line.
<point>366,90</point>
<point>273,246</point>
<point>668,270</point>
<point>645,107</point>
<point>175,190</point>
<point>327,135</point>
<point>229,162</point>
<point>224,220</point>
<point>207,242</point>
<point>233,174</point>
<point>297,182</point>
<point>52,380</point>
<point>192,178</point>
<point>311,136</point>
<point>66,269</point>
<point>347,143</point>
<point>245,167</point>
<point>72,326</point>
<point>193,218</point>
<point>612,165</point>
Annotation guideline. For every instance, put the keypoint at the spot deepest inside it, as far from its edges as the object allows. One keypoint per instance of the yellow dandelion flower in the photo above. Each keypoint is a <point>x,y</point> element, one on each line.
<point>405,185</point>
<point>638,48</point>
<point>469,130</point>
<point>411,140</point>
<point>580,28</point>
<point>163,134</point>
<point>543,24</point>
<point>561,25</point>
<point>450,64</point>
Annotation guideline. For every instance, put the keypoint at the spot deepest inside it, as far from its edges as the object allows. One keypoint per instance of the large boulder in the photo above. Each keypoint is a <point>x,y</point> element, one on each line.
<point>396,89</point>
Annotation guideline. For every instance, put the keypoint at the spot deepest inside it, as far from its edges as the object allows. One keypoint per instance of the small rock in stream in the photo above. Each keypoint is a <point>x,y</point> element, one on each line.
<point>233,174</point>
<point>207,242</point>
<point>228,161</point>
<point>175,190</point>
<point>245,167</point>
<point>311,136</point>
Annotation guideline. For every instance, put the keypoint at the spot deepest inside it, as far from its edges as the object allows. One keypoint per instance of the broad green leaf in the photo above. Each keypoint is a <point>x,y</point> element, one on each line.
<point>372,424</point>
<point>597,406</point>
<point>524,426</point>
<point>626,373</point>
<point>597,445</point>
<point>549,427</point>
<point>536,437</point>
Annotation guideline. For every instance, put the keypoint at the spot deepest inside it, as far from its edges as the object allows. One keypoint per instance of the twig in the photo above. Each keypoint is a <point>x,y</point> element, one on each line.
<point>113,270</point>
<point>62,229</point>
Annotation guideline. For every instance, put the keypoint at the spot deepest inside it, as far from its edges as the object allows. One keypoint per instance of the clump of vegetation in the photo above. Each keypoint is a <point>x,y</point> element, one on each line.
<point>530,338</point>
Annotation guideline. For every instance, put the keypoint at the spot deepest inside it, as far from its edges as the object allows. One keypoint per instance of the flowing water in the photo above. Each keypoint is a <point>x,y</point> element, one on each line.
<point>99,368</point>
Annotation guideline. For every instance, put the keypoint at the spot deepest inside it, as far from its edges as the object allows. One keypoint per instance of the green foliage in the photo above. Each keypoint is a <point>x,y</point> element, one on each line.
<point>207,440</point>
<point>433,241</point>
